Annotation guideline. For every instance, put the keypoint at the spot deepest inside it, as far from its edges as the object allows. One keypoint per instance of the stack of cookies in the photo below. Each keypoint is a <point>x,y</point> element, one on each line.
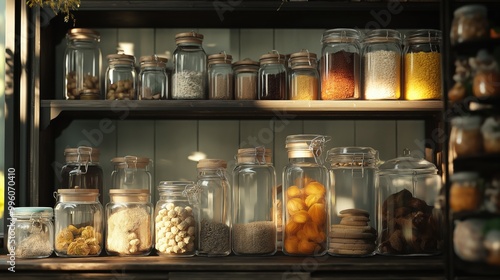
<point>353,235</point>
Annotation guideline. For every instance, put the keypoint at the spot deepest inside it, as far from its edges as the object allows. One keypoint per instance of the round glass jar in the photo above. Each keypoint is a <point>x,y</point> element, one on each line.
<point>246,73</point>
<point>33,232</point>
<point>79,223</point>
<point>153,81</point>
<point>470,22</point>
<point>465,136</point>
<point>340,64</point>
<point>305,192</point>
<point>131,172</point>
<point>82,64</point>
<point>129,221</point>
<point>304,76</point>
<point>272,77</point>
<point>220,77</point>
<point>120,77</point>
<point>353,177</point>
<point>175,222</point>
<point>254,194</point>
<point>422,65</point>
<point>465,191</point>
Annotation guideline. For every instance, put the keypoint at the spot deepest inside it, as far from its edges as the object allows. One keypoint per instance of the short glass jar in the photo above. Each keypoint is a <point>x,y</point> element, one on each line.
<point>304,76</point>
<point>33,232</point>
<point>246,73</point>
<point>153,81</point>
<point>465,191</point>
<point>465,136</point>
<point>131,172</point>
<point>272,77</point>
<point>220,77</point>
<point>121,77</point>
<point>470,22</point>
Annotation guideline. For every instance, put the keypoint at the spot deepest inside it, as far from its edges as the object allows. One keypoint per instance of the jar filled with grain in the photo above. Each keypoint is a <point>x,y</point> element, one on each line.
<point>422,65</point>
<point>175,222</point>
<point>254,216</point>
<point>305,196</point>
<point>189,77</point>
<point>131,172</point>
<point>340,64</point>
<point>304,76</point>
<point>382,64</point>
<point>465,136</point>
<point>82,64</point>
<point>153,81</point>
<point>33,232</point>
<point>470,22</point>
<point>272,77</point>
<point>121,77</point>
<point>246,74</point>
<point>129,223</point>
<point>220,77</point>
<point>79,221</point>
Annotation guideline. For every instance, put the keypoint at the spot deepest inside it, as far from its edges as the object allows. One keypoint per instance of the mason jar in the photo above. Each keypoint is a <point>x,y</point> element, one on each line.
<point>246,73</point>
<point>121,77</point>
<point>131,172</point>
<point>153,81</point>
<point>272,77</point>
<point>33,232</point>
<point>220,77</point>
<point>304,76</point>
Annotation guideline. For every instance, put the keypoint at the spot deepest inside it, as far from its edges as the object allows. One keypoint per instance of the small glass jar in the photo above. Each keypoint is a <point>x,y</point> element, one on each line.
<point>153,81</point>
<point>189,77</point>
<point>254,194</point>
<point>220,77</point>
<point>486,81</point>
<point>340,64</point>
<point>246,73</point>
<point>129,221</point>
<point>465,191</point>
<point>272,77</point>
<point>491,135</point>
<point>470,22</point>
<point>422,65</point>
<point>382,64</point>
<point>82,64</point>
<point>121,77</point>
<point>78,223</point>
<point>131,172</point>
<point>465,137</point>
<point>175,222</point>
<point>353,185</point>
<point>305,193</point>
<point>33,232</point>
<point>304,76</point>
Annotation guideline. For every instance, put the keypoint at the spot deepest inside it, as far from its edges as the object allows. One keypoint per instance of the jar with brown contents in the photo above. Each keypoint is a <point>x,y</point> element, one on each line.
<point>465,137</point>
<point>121,77</point>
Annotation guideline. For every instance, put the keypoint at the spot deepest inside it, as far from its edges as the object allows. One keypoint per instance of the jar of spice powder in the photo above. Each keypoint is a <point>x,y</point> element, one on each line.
<point>153,81</point>
<point>246,74</point>
<point>33,232</point>
<point>272,77</point>
<point>220,77</point>
<point>304,76</point>
<point>121,77</point>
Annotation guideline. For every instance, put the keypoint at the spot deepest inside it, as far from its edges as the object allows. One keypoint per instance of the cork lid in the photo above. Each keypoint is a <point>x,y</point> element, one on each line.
<point>211,164</point>
<point>82,154</point>
<point>77,195</point>
<point>83,34</point>
<point>131,162</point>
<point>129,195</point>
<point>188,37</point>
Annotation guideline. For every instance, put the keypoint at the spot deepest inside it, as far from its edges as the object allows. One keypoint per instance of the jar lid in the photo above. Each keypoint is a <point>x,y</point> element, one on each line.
<point>464,176</point>
<point>188,37</point>
<point>33,211</point>
<point>365,155</point>
<point>383,35</point>
<point>467,122</point>
<point>408,165</point>
<point>257,155</point>
<point>220,58</point>
<point>82,154</point>
<point>117,58</point>
<point>468,9</point>
<point>341,35</point>
<point>424,36</point>
<point>79,195</point>
<point>83,34</point>
<point>152,61</point>
<point>129,195</point>
<point>131,162</point>
<point>211,164</point>
<point>272,57</point>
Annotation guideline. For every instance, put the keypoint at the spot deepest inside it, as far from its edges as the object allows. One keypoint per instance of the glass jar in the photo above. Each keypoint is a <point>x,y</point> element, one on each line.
<point>175,222</point>
<point>465,136</point>
<point>272,77</point>
<point>82,64</point>
<point>129,220</point>
<point>486,81</point>
<point>352,205</point>
<point>465,191</point>
<point>254,194</point>
<point>78,223</point>
<point>189,78</point>
<point>490,131</point>
<point>246,73</point>
<point>304,76</point>
<point>340,64</point>
<point>131,172</point>
<point>153,81</point>
<point>305,190</point>
<point>220,77</point>
<point>33,232</point>
<point>409,219</point>
<point>470,22</point>
<point>382,64</point>
<point>422,65</point>
<point>120,77</point>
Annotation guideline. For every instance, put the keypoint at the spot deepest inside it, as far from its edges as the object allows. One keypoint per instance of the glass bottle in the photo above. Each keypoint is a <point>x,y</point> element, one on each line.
<point>340,64</point>
<point>465,136</point>
<point>129,222</point>
<point>304,76</point>
<point>78,223</point>
<point>246,73</point>
<point>220,77</point>
<point>254,196</point>
<point>272,77</point>
<point>189,78</point>
<point>33,232</point>
<point>305,192</point>
<point>82,64</point>
<point>153,81</point>
<point>131,172</point>
<point>121,77</point>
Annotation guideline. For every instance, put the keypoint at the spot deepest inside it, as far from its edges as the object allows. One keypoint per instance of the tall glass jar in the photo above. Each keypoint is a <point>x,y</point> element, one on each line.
<point>121,77</point>
<point>272,77</point>
<point>82,64</point>
<point>254,194</point>
<point>220,77</point>
<point>340,64</point>
<point>189,78</point>
<point>78,223</point>
<point>305,192</point>
<point>422,65</point>
<point>153,81</point>
<point>175,222</point>
<point>246,73</point>
<point>382,64</point>
<point>33,232</point>
<point>129,221</point>
<point>131,172</point>
<point>304,76</point>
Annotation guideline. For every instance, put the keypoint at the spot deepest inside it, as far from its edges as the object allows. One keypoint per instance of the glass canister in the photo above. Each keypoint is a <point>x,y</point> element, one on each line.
<point>304,76</point>
<point>465,136</point>
<point>465,191</point>
<point>246,73</point>
<point>340,64</point>
<point>272,77</point>
<point>189,78</point>
<point>78,223</point>
<point>120,77</point>
<point>254,194</point>
<point>175,222</point>
<point>305,192</point>
<point>129,221</point>
<point>422,65</point>
<point>470,22</point>
<point>353,178</point>
<point>409,219</point>
<point>131,172</point>
<point>82,64</point>
<point>33,232</point>
<point>382,64</point>
<point>153,81</point>
<point>220,77</point>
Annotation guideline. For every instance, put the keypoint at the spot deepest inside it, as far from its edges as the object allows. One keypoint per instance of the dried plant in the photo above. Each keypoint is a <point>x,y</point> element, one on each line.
<point>58,6</point>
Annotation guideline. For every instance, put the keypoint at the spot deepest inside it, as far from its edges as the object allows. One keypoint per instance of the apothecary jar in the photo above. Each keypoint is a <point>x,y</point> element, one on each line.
<point>33,232</point>
<point>131,172</point>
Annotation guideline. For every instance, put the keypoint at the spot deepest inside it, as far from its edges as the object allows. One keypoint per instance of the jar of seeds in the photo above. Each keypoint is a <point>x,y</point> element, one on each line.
<point>245,79</point>
<point>120,77</point>
<point>153,81</point>
<point>220,77</point>
<point>33,232</point>
<point>272,77</point>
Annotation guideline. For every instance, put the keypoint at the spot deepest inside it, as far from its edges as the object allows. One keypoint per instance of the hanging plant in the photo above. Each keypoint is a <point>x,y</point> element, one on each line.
<point>58,6</point>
